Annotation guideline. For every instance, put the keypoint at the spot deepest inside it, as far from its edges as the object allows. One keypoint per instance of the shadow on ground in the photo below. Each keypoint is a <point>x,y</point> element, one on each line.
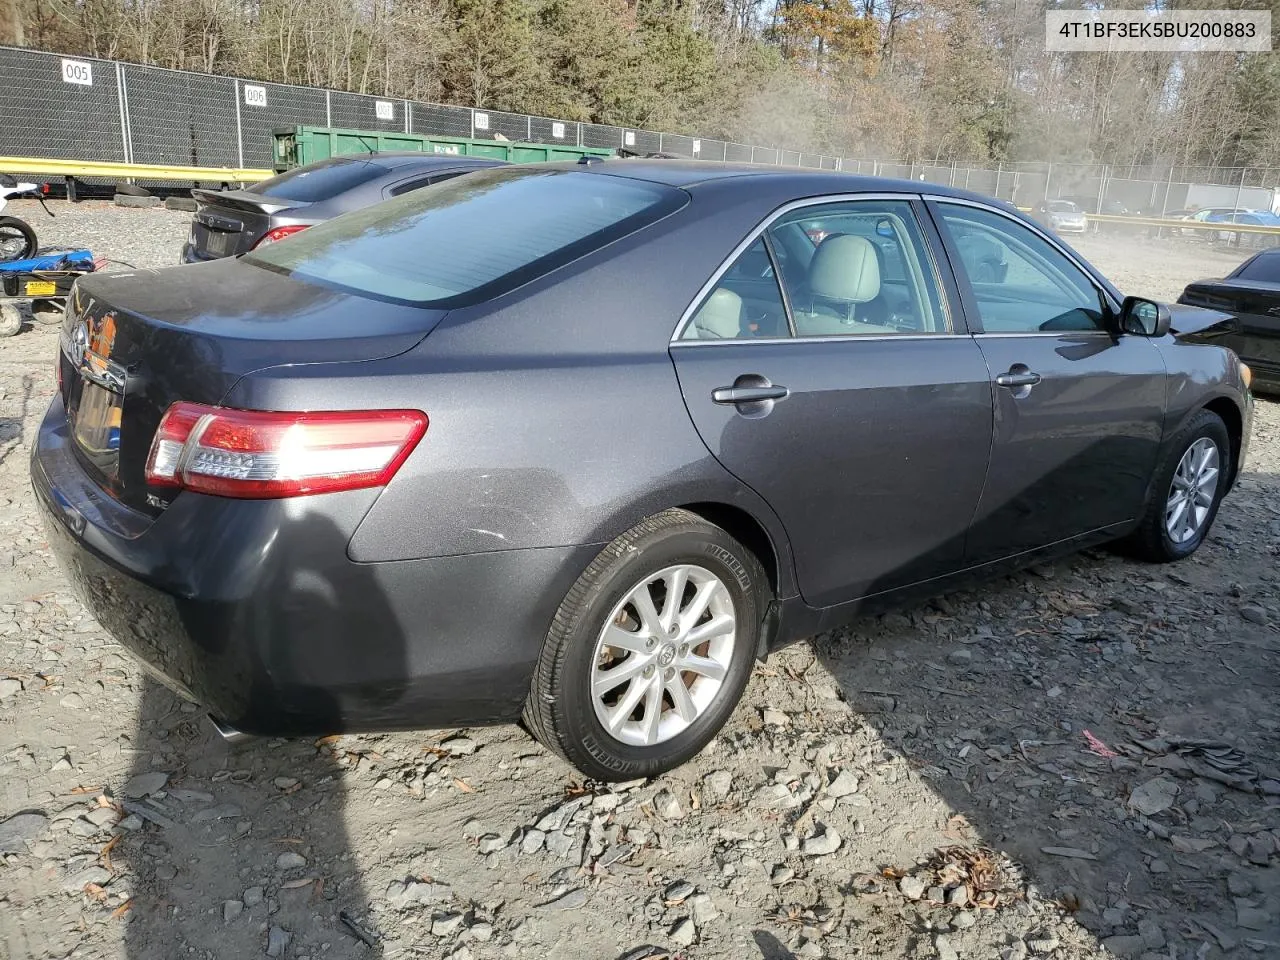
<point>205,870</point>
<point>997,722</point>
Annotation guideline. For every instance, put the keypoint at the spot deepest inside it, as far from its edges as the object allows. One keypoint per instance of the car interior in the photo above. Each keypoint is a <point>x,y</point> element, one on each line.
<point>846,274</point>
<point>857,273</point>
<point>1031,291</point>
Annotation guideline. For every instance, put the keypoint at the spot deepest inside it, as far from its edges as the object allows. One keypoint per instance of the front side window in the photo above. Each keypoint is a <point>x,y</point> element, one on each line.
<point>470,238</point>
<point>849,268</point>
<point>1021,282</point>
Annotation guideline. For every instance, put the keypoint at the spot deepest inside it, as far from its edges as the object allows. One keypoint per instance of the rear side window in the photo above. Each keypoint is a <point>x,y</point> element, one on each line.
<point>1265,267</point>
<point>471,238</point>
<point>318,181</point>
<point>419,182</point>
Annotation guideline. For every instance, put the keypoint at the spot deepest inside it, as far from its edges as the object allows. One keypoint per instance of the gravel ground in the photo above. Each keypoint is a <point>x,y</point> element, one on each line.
<point>1077,761</point>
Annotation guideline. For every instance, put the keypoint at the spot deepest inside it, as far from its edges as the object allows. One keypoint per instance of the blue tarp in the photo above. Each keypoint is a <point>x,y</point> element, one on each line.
<point>54,260</point>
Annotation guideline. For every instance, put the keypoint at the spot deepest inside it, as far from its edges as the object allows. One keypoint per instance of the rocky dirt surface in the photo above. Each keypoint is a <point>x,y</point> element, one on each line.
<point>1077,761</point>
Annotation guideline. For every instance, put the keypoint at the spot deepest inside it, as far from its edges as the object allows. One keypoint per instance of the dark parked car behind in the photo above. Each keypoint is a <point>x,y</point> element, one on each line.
<point>1252,293</point>
<point>602,436</point>
<point>231,222</point>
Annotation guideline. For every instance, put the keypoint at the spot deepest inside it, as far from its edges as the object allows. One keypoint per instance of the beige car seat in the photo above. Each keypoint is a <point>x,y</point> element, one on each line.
<point>843,275</point>
<point>720,318</point>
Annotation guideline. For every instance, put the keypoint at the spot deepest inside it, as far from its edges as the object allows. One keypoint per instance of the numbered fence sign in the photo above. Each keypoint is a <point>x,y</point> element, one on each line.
<point>557,130</point>
<point>481,121</point>
<point>697,146</point>
<point>255,96</point>
<point>384,109</point>
<point>629,138</point>
<point>77,71</point>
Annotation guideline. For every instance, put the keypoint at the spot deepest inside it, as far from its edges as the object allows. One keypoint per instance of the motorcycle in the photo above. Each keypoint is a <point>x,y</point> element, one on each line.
<point>17,238</point>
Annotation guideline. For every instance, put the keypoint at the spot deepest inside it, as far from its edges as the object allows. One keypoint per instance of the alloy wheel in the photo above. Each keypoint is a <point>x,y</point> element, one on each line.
<point>663,655</point>
<point>1192,491</point>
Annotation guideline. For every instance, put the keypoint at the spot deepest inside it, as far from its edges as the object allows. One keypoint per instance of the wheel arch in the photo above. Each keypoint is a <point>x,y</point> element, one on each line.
<point>747,530</point>
<point>1227,409</point>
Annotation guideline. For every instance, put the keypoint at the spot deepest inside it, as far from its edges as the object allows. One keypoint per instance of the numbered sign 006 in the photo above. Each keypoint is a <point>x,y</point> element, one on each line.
<point>77,71</point>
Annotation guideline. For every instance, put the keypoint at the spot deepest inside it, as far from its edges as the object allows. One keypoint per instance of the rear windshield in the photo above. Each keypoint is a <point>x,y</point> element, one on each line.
<point>473,237</point>
<point>1265,267</point>
<point>1062,206</point>
<point>318,181</point>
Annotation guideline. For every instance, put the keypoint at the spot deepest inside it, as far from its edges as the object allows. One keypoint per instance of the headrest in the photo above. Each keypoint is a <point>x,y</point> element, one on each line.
<point>720,318</point>
<point>845,268</point>
<point>974,248</point>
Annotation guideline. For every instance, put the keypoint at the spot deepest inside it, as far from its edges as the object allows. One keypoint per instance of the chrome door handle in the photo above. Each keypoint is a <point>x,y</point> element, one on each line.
<point>1019,379</point>
<point>749,394</point>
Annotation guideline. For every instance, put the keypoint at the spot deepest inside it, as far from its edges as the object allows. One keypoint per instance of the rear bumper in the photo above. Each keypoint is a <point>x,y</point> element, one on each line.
<point>1266,375</point>
<point>254,610</point>
<point>191,255</point>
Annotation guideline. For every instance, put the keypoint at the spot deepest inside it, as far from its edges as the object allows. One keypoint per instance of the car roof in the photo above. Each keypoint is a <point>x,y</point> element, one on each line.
<point>689,173</point>
<point>400,159</point>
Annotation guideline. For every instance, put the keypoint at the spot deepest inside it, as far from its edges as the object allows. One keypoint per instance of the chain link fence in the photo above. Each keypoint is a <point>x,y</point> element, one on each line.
<point>84,109</point>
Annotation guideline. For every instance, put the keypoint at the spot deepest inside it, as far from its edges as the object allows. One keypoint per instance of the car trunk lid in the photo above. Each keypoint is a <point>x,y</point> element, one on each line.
<point>133,343</point>
<point>230,222</point>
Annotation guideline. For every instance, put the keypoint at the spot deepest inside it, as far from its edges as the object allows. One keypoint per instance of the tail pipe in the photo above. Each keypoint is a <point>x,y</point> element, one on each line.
<point>229,733</point>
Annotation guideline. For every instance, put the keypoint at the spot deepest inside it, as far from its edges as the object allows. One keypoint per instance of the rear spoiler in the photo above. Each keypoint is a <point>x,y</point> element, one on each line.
<point>243,200</point>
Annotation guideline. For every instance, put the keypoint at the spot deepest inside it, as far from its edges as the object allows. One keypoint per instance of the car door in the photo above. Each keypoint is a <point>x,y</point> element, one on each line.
<point>848,395</point>
<point>1078,409</point>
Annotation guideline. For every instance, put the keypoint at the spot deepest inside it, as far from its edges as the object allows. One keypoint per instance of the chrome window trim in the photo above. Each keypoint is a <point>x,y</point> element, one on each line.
<point>1038,231</point>
<point>839,338</point>
<point>1005,334</point>
<point>687,317</point>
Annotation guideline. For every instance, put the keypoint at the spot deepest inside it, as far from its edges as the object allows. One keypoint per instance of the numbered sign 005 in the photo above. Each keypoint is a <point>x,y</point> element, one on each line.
<point>77,71</point>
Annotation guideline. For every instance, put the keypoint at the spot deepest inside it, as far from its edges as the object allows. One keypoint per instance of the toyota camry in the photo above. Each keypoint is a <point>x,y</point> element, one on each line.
<point>577,444</point>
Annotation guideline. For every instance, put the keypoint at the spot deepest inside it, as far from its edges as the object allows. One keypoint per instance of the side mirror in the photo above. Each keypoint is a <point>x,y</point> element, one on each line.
<point>885,229</point>
<point>1144,318</point>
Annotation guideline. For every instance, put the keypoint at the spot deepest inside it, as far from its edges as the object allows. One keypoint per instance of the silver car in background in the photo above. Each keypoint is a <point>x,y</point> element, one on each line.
<point>1060,216</point>
<point>228,223</point>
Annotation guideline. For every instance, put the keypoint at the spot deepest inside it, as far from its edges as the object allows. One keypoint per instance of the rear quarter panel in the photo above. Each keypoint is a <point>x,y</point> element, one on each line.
<point>555,415</point>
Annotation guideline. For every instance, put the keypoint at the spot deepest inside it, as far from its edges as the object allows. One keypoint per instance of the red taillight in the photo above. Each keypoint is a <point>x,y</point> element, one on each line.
<point>256,454</point>
<point>279,233</point>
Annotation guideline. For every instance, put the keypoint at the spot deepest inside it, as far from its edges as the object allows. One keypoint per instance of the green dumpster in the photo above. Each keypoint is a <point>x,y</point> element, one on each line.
<point>300,145</point>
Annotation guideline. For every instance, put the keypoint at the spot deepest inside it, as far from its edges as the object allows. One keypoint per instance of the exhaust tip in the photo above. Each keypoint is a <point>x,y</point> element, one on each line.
<point>229,733</point>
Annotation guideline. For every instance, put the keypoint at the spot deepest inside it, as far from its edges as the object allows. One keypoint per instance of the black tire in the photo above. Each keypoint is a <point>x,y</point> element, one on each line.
<point>1151,540</point>
<point>17,239</point>
<point>10,318</point>
<point>560,711</point>
<point>48,312</point>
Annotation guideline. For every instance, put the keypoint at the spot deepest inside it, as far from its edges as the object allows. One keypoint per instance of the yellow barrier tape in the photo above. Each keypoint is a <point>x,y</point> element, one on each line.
<point>129,171</point>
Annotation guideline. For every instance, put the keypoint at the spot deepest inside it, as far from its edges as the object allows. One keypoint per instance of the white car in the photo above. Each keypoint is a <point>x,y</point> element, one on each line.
<point>1061,216</point>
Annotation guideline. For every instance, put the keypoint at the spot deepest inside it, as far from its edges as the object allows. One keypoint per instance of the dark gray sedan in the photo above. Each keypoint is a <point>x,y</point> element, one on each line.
<point>579,443</point>
<point>230,222</point>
